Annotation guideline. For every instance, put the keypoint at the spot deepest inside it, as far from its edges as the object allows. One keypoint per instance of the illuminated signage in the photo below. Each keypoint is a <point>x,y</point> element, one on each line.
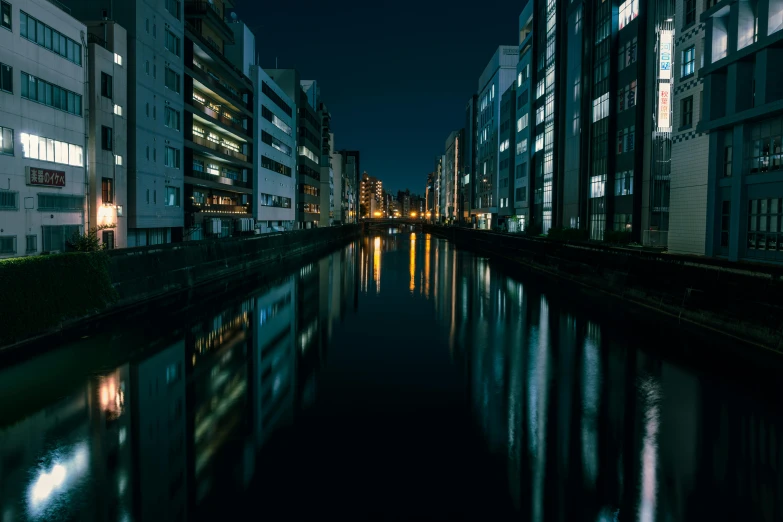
<point>665,54</point>
<point>45,177</point>
<point>664,107</point>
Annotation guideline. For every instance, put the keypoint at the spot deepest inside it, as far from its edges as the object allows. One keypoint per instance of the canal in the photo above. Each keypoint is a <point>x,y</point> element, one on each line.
<point>396,378</point>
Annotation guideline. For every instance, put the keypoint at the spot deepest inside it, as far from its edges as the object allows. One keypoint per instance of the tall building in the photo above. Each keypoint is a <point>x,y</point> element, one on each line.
<point>308,162</point>
<point>690,148</point>
<point>440,193</point>
<point>467,183</point>
<point>743,97</point>
<point>44,129</point>
<point>498,75</point>
<point>275,142</point>
<point>107,150</point>
<point>350,186</point>
<point>507,153</point>
<point>521,143</point>
<point>327,172</point>
<point>451,173</point>
<point>155,112</point>
<point>218,124</point>
<point>372,197</point>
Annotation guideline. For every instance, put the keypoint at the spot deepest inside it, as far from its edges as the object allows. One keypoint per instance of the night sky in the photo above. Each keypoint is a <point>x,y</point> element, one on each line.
<point>396,76</point>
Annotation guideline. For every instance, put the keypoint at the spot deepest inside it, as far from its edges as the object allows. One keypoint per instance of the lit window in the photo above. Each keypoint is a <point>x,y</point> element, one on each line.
<point>118,160</point>
<point>117,109</point>
<point>688,61</point>
<point>628,11</point>
<point>118,59</point>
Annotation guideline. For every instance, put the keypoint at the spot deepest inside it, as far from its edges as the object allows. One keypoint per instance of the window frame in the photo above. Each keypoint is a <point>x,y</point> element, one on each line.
<point>107,139</point>
<point>3,6</point>
<point>688,67</point>
<point>686,112</point>
<point>107,85</point>
<point>107,191</point>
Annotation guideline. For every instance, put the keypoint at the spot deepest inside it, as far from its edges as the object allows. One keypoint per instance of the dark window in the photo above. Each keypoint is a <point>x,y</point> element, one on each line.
<point>272,95</point>
<point>727,153</point>
<point>272,165</point>
<point>108,239</point>
<point>43,35</point>
<point>6,78</point>
<point>690,12</point>
<point>106,138</point>
<point>9,200</point>
<point>686,105</point>
<point>688,61</point>
<point>32,244</point>
<point>7,244</point>
<point>6,14</point>
<point>106,85</point>
<point>55,238</point>
<point>107,190</point>
<point>725,223</point>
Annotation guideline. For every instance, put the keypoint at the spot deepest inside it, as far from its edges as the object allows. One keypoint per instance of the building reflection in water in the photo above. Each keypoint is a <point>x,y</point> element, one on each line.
<point>591,426</point>
<point>176,427</point>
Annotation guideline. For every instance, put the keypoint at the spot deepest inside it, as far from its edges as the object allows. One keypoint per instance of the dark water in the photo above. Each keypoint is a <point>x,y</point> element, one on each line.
<point>398,378</point>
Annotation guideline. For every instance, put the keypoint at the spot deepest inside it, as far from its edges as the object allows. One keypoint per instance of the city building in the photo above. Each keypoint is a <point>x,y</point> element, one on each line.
<point>107,155</point>
<point>275,152</point>
<point>155,112</point>
<point>743,96</point>
<point>467,183</point>
<point>440,194</point>
<point>690,148</point>
<point>429,196</point>
<point>218,124</point>
<point>372,197</point>
<point>44,129</point>
<point>507,154</point>
<point>327,172</point>
<point>498,75</point>
<point>521,142</point>
<point>452,173</point>
<point>350,185</point>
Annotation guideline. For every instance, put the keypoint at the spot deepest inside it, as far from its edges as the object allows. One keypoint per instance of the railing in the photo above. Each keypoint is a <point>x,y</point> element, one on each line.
<point>94,38</point>
<point>222,209</point>
<point>216,48</point>
<point>211,12</point>
<point>216,178</point>
<point>208,79</point>
<point>198,140</point>
<point>225,120</point>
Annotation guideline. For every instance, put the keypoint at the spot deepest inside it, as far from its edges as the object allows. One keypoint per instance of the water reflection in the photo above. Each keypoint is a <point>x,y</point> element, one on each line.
<point>580,417</point>
<point>176,427</point>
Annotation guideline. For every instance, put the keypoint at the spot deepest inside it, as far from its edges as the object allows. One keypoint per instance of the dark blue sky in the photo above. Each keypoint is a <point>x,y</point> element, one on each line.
<point>395,75</point>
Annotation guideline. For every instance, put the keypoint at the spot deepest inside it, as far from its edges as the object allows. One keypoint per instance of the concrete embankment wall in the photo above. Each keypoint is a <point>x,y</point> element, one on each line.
<point>49,294</point>
<point>741,300</point>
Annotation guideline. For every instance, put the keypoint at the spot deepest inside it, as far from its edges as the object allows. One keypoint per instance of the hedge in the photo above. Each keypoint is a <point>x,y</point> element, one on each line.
<point>42,292</point>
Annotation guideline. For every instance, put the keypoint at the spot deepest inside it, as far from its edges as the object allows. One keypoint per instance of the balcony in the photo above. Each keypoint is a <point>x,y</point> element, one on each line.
<point>221,209</point>
<point>198,140</point>
<point>218,84</point>
<point>216,178</point>
<point>215,48</point>
<point>209,12</point>
<point>232,123</point>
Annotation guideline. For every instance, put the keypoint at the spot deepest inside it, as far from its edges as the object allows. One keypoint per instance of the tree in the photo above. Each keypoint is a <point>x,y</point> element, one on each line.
<point>88,242</point>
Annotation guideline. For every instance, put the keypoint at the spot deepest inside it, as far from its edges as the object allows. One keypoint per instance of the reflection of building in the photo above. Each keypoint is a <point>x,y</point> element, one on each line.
<point>158,391</point>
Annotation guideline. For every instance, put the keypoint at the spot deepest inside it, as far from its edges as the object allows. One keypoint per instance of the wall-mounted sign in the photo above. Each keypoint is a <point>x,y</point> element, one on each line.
<point>664,107</point>
<point>665,55</point>
<point>45,177</point>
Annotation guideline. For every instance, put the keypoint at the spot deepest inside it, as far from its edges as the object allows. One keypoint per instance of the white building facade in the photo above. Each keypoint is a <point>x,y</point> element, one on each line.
<point>43,166</point>
<point>274,205</point>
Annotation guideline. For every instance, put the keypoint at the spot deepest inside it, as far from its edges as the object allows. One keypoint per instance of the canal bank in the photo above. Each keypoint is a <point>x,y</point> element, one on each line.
<point>55,293</point>
<point>738,300</point>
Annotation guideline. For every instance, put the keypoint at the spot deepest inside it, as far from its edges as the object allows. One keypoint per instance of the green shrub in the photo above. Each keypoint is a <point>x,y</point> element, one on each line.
<point>41,292</point>
<point>568,234</point>
<point>617,237</point>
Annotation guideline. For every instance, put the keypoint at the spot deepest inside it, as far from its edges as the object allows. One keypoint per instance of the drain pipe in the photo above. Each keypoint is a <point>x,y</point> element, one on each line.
<point>86,116</point>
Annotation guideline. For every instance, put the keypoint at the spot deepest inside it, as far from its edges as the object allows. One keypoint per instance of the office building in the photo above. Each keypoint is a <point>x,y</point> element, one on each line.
<point>218,124</point>
<point>350,186</point>
<point>275,165</point>
<point>155,140</point>
<point>520,181</point>
<point>498,75</point>
<point>507,154</point>
<point>327,173</point>
<point>690,148</point>
<point>107,151</point>
<point>743,97</point>
<point>43,128</point>
<point>440,193</point>
<point>452,172</point>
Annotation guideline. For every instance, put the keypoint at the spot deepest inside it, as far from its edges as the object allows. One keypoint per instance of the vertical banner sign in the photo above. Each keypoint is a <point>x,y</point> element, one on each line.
<point>665,62</point>
<point>665,55</point>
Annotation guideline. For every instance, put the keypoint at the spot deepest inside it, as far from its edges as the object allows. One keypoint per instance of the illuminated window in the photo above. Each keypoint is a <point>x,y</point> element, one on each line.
<point>628,11</point>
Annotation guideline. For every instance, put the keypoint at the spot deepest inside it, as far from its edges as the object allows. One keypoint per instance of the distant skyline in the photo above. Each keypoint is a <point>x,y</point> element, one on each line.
<point>396,81</point>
